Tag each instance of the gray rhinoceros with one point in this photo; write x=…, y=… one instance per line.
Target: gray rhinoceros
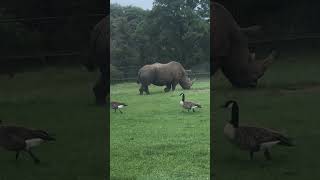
x=168, y=75
x=231, y=53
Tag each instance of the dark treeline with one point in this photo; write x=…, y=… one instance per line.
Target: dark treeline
x=173, y=30
x=277, y=17
x=30, y=35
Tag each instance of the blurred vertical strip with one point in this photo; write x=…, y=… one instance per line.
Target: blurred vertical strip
x=212, y=26
x=108, y=94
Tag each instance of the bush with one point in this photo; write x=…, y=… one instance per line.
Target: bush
x=115, y=73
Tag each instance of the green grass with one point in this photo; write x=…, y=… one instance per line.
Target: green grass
x=287, y=99
x=60, y=101
x=155, y=139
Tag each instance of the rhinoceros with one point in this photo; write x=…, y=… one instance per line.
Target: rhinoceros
x=168, y=75
x=231, y=53
x=98, y=57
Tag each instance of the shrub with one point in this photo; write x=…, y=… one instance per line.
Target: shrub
x=115, y=73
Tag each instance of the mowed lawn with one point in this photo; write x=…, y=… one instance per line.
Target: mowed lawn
x=287, y=99
x=155, y=139
x=60, y=101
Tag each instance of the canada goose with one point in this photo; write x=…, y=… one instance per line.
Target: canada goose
x=252, y=139
x=117, y=105
x=188, y=104
x=13, y=138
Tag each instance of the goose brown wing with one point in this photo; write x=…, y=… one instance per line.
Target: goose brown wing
x=11, y=141
x=114, y=104
x=262, y=135
x=14, y=142
x=245, y=139
x=23, y=133
x=198, y=105
x=16, y=131
x=189, y=104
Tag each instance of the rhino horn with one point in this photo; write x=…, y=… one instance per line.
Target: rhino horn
x=270, y=59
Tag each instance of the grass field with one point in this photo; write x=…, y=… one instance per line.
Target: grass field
x=155, y=139
x=59, y=101
x=287, y=99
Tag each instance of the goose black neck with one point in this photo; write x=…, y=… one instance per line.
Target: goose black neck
x=182, y=97
x=235, y=115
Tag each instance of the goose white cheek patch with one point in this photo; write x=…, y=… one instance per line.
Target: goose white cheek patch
x=120, y=106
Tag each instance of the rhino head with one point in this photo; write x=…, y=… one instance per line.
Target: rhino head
x=255, y=70
x=186, y=82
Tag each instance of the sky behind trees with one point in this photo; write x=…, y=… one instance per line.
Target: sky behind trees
x=145, y=4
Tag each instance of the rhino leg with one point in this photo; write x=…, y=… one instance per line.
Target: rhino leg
x=146, y=89
x=174, y=86
x=141, y=90
x=167, y=89
x=100, y=88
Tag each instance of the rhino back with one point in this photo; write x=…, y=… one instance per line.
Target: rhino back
x=232, y=44
x=99, y=41
x=161, y=74
x=172, y=71
x=227, y=32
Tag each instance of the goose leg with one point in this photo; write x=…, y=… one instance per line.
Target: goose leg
x=193, y=110
x=115, y=110
x=120, y=111
x=267, y=154
x=17, y=155
x=35, y=159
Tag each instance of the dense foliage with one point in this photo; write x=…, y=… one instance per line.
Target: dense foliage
x=25, y=28
x=173, y=30
x=278, y=17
